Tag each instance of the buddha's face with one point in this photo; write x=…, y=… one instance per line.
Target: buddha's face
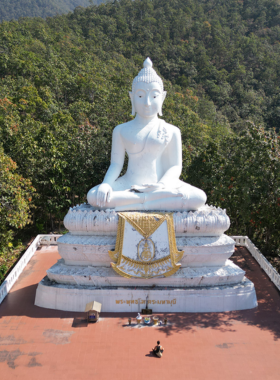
x=147, y=99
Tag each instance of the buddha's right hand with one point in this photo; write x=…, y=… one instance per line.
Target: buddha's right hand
x=148, y=187
x=103, y=194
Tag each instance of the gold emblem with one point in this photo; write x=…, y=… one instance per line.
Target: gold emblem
x=146, y=265
x=146, y=250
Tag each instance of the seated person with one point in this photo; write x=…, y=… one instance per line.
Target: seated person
x=158, y=350
x=154, y=152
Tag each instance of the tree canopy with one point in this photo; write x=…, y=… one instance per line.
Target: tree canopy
x=64, y=87
x=14, y=9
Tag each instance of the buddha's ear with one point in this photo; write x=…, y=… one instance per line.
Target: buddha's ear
x=163, y=98
x=132, y=103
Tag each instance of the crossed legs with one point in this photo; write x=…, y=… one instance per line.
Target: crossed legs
x=162, y=200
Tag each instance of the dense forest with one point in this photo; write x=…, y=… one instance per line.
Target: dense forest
x=64, y=87
x=14, y=9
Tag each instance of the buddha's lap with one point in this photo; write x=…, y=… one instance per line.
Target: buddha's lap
x=188, y=192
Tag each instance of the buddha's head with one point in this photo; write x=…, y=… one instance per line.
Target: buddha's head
x=147, y=95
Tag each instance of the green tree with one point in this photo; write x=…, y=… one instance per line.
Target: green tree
x=14, y=9
x=242, y=174
x=15, y=200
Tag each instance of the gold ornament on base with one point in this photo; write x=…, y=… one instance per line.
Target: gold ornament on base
x=147, y=264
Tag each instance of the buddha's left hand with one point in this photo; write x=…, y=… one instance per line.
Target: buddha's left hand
x=148, y=187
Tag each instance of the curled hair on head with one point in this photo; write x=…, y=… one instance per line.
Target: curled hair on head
x=147, y=75
x=158, y=342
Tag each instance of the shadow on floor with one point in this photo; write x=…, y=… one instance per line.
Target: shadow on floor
x=152, y=355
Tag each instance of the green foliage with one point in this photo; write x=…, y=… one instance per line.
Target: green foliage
x=65, y=101
x=14, y=9
x=15, y=198
x=242, y=174
x=64, y=87
x=226, y=50
x=9, y=256
x=3, y=270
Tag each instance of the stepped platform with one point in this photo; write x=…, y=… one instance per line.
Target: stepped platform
x=41, y=343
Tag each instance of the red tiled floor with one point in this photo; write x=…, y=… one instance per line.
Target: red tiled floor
x=38, y=343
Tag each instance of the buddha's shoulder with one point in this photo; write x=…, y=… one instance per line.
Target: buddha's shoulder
x=120, y=127
x=172, y=128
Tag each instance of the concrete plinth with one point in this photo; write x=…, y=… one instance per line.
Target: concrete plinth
x=93, y=250
x=184, y=277
x=118, y=299
x=206, y=281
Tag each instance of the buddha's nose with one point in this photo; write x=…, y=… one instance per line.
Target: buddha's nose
x=148, y=101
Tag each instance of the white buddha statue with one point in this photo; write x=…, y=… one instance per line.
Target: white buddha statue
x=154, y=150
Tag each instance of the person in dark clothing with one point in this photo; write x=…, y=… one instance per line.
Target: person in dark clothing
x=158, y=350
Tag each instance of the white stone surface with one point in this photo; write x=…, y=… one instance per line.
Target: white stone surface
x=184, y=277
x=207, y=299
x=93, y=250
x=207, y=221
x=86, y=250
x=205, y=251
x=151, y=182
x=132, y=238
x=154, y=150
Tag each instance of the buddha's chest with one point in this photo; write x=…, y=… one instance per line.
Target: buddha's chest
x=134, y=139
x=145, y=139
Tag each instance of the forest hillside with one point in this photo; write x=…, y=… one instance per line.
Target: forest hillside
x=64, y=87
x=14, y=9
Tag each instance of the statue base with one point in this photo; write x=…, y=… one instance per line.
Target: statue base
x=199, y=251
x=184, y=277
x=206, y=281
x=219, y=298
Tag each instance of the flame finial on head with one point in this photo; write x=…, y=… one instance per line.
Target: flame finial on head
x=147, y=75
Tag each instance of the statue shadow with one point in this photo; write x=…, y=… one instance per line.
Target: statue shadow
x=265, y=317
x=21, y=303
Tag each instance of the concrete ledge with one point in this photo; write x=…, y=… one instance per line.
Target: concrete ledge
x=206, y=221
x=52, y=239
x=184, y=277
x=93, y=250
x=115, y=299
x=21, y=264
x=272, y=273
